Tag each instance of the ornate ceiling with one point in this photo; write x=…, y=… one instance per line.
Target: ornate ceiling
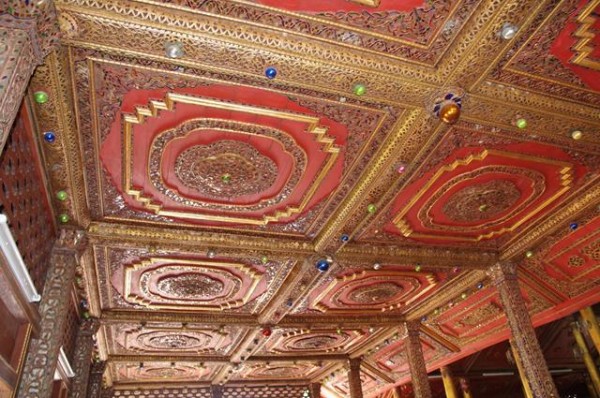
x=288, y=131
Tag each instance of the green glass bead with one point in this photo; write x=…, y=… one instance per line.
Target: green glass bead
x=521, y=123
x=359, y=89
x=61, y=195
x=41, y=97
x=64, y=218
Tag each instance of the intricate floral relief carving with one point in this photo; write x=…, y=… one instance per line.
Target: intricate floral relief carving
x=167, y=341
x=418, y=25
x=482, y=202
x=190, y=286
x=225, y=169
x=593, y=250
x=376, y=293
x=480, y=315
x=314, y=343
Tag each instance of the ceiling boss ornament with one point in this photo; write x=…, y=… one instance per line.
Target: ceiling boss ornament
x=447, y=107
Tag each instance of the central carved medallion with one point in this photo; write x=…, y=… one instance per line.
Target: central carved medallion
x=190, y=286
x=173, y=341
x=482, y=202
x=202, y=168
x=376, y=293
x=315, y=342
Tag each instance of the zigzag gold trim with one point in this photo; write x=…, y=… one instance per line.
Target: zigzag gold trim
x=584, y=32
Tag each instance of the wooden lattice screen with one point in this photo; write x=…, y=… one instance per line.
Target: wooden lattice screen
x=22, y=199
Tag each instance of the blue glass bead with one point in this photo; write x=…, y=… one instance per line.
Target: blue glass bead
x=271, y=73
x=49, y=136
x=436, y=108
x=424, y=319
x=573, y=226
x=322, y=265
x=345, y=238
x=449, y=96
x=480, y=285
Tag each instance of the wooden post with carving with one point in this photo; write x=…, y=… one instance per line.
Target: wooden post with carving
x=315, y=390
x=42, y=356
x=416, y=361
x=94, y=389
x=84, y=345
x=533, y=364
x=354, y=378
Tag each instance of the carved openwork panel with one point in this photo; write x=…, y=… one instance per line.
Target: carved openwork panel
x=22, y=185
x=272, y=391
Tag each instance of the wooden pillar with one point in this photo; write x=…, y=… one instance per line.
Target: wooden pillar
x=27, y=34
x=533, y=364
x=82, y=359
x=315, y=390
x=95, y=380
x=449, y=386
x=416, y=361
x=354, y=378
x=524, y=383
x=590, y=322
x=465, y=387
x=216, y=391
x=42, y=355
x=587, y=358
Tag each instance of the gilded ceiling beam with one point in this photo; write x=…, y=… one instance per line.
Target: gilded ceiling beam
x=192, y=240
x=226, y=359
x=291, y=321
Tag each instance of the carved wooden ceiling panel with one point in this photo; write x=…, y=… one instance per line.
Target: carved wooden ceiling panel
x=141, y=280
x=290, y=134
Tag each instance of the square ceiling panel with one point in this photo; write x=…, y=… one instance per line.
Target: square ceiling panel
x=176, y=149
x=137, y=279
x=481, y=188
x=363, y=289
x=316, y=341
x=171, y=339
